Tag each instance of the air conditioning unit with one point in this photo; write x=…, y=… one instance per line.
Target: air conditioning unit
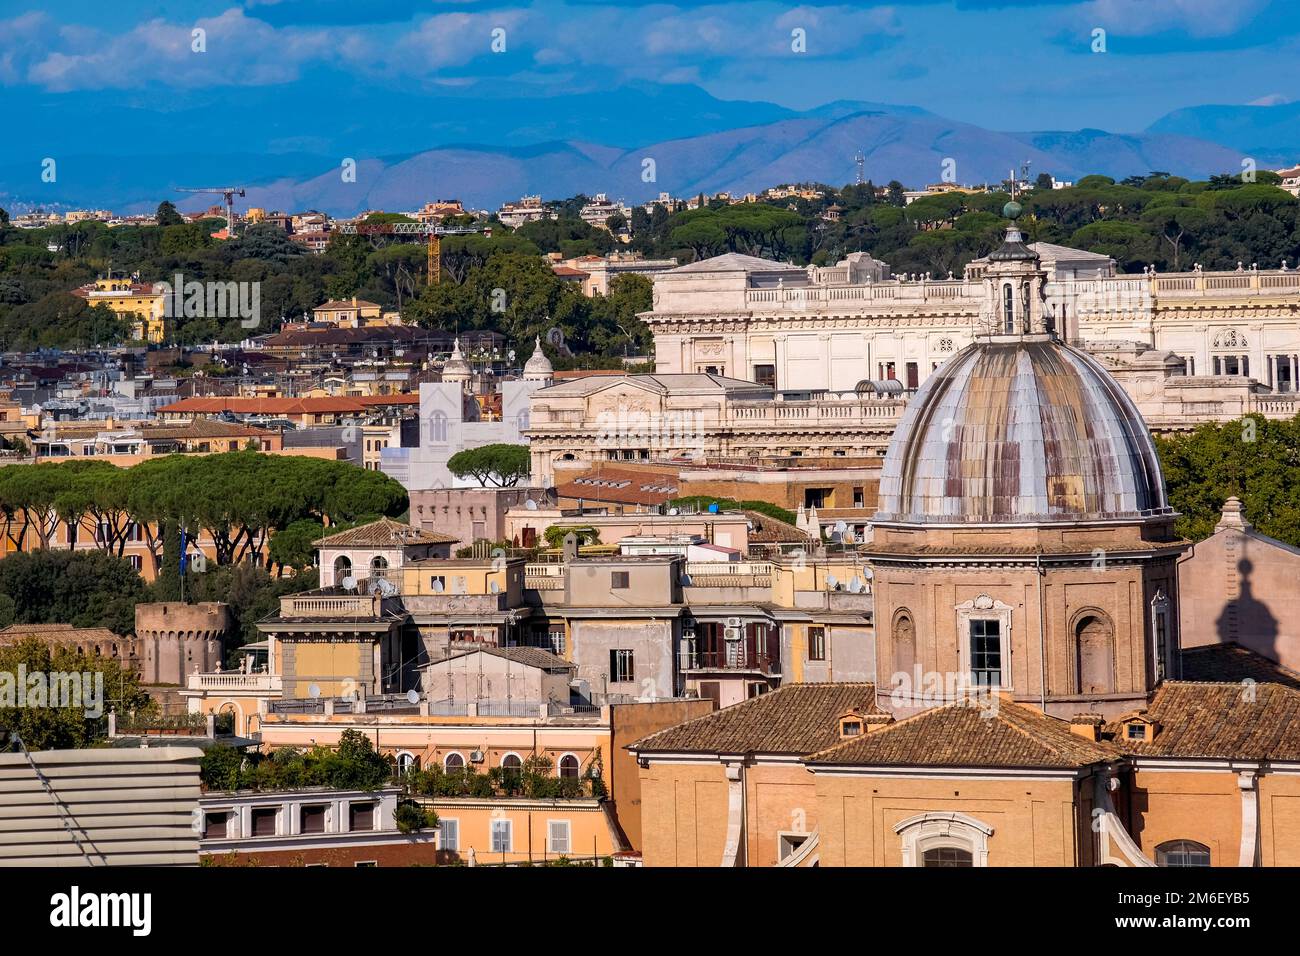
x=476, y=756
x=732, y=634
x=734, y=622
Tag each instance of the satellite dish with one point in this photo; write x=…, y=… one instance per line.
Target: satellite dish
x=413, y=696
x=832, y=582
x=686, y=581
x=438, y=586
x=313, y=691
x=856, y=586
x=350, y=582
x=530, y=504
x=494, y=587
x=840, y=527
x=673, y=511
x=868, y=573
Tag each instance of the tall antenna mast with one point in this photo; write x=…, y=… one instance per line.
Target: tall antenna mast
x=860, y=161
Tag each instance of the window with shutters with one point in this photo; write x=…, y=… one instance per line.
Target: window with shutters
x=312, y=819
x=214, y=825
x=448, y=834
x=361, y=816
x=501, y=836
x=557, y=836
x=264, y=821
x=816, y=643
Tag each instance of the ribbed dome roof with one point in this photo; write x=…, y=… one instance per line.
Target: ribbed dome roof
x=1025, y=430
x=456, y=363
x=539, y=365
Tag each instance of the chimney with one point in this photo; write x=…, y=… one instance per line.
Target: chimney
x=1087, y=726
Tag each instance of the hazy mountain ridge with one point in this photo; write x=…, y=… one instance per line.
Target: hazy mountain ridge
x=718, y=145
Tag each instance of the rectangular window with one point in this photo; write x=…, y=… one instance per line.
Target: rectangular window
x=556, y=639
x=360, y=863
x=816, y=497
x=501, y=834
x=361, y=816
x=136, y=562
x=816, y=643
x=621, y=669
x=557, y=836
x=765, y=375
x=313, y=819
x=448, y=834
x=618, y=580
x=859, y=498
x=787, y=843
x=986, y=652
x=913, y=375
x=263, y=821
x=214, y=825
x=437, y=583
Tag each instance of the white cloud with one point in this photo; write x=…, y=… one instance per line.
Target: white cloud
x=1196, y=18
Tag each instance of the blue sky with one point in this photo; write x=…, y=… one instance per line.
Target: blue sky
x=1011, y=65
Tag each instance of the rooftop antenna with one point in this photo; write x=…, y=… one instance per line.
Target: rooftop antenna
x=860, y=161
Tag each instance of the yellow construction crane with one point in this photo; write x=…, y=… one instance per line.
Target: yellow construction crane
x=433, y=232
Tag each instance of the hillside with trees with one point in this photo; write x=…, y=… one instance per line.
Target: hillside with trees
x=502, y=283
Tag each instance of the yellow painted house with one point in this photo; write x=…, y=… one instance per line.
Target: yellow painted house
x=145, y=307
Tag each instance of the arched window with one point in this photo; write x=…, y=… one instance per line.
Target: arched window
x=904, y=644
x=1094, y=641
x=342, y=568
x=569, y=766
x=406, y=762
x=944, y=838
x=947, y=856
x=1008, y=310
x=512, y=769
x=379, y=566
x=1182, y=853
x=453, y=762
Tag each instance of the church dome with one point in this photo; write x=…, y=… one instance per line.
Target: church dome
x=456, y=368
x=539, y=366
x=1021, y=430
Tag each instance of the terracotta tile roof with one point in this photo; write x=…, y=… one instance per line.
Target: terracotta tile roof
x=338, y=305
x=1242, y=721
x=321, y=405
x=56, y=633
x=965, y=734
x=382, y=534
x=1233, y=663
x=528, y=656
x=767, y=530
x=797, y=719
x=623, y=487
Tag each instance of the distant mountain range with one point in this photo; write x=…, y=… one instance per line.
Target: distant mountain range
x=576, y=144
